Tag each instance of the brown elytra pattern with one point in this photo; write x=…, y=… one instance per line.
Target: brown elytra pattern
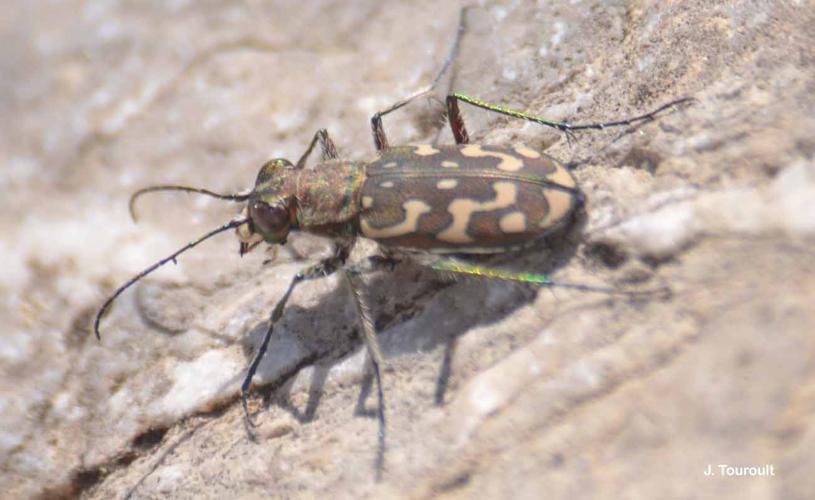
x=463, y=198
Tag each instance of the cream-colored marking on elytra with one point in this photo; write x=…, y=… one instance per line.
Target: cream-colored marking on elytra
x=367, y=202
x=413, y=209
x=562, y=176
x=560, y=202
x=425, y=150
x=508, y=163
x=449, y=164
x=462, y=209
x=390, y=164
x=525, y=151
x=513, y=222
x=386, y=184
x=447, y=184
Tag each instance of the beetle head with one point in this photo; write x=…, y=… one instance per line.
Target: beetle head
x=271, y=211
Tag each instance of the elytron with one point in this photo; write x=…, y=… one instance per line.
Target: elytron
x=441, y=201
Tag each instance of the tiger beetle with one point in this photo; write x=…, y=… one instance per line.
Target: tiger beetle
x=443, y=201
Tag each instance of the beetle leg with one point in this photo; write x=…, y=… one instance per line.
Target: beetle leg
x=319, y=270
x=460, y=133
x=374, y=353
x=327, y=147
x=456, y=267
x=456, y=120
x=380, y=139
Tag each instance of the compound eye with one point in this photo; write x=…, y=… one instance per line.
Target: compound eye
x=272, y=221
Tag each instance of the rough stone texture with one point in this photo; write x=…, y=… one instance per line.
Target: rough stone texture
x=493, y=390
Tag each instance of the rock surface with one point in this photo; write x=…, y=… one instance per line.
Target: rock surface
x=492, y=389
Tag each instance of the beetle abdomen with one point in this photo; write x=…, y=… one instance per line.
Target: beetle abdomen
x=464, y=198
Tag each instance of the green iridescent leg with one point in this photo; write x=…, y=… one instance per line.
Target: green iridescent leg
x=456, y=267
x=460, y=132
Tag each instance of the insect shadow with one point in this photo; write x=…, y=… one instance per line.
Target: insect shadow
x=411, y=319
